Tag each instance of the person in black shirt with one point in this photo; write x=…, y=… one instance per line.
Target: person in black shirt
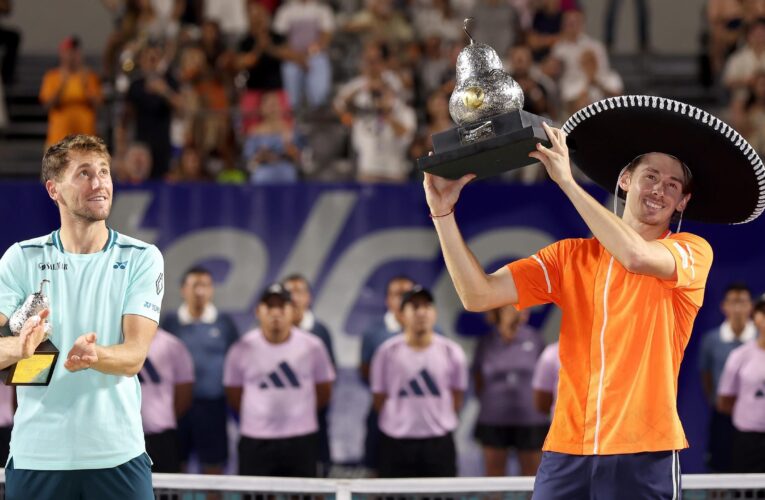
x=150, y=102
x=545, y=28
x=259, y=60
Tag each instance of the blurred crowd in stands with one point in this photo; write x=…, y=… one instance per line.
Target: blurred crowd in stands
x=735, y=50
x=263, y=91
x=267, y=91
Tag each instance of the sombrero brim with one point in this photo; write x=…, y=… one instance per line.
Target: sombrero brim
x=728, y=175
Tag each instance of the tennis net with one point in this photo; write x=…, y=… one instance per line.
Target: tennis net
x=184, y=486
x=202, y=487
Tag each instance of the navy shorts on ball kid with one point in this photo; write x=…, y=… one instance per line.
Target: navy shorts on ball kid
x=162, y=447
x=417, y=457
x=519, y=437
x=282, y=457
x=630, y=476
x=203, y=430
x=129, y=481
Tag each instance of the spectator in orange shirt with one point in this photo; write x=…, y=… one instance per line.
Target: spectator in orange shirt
x=629, y=295
x=71, y=93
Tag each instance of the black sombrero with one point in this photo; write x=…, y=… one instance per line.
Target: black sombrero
x=728, y=175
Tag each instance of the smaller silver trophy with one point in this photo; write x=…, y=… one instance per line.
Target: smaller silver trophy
x=33, y=304
x=493, y=133
x=37, y=369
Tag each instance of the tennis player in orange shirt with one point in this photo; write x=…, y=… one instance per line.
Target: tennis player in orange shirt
x=629, y=295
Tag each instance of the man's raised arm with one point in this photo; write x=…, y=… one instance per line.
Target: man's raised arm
x=623, y=242
x=477, y=290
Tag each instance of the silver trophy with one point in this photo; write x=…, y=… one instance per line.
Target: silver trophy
x=483, y=87
x=32, y=306
x=493, y=133
x=38, y=368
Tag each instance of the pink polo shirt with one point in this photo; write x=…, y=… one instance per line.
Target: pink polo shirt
x=167, y=365
x=418, y=385
x=546, y=373
x=744, y=378
x=278, y=382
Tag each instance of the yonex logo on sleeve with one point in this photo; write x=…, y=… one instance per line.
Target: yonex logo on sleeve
x=420, y=386
x=120, y=265
x=153, y=307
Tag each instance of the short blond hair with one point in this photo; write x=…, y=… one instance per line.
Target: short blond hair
x=56, y=157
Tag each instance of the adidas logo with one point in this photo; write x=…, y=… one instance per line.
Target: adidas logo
x=120, y=265
x=281, y=378
x=151, y=371
x=420, y=386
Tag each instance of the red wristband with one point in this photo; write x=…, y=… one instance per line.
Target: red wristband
x=442, y=215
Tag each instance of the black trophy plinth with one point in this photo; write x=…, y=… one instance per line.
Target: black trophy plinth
x=487, y=147
x=35, y=370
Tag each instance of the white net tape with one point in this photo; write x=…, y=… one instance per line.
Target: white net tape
x=193, y=486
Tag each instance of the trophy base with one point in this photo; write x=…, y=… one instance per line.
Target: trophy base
x=488, y=147
x=36, y=369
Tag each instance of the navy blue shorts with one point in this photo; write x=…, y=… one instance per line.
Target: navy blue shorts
x=203, y=430
x=129, y=481
x=417, y=457
x=372, y=441
x=282, y=457
x=519, y=437
x=633, y=476
x=162, y=448
x=719, y=452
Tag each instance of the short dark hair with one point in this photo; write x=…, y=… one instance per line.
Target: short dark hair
x=56, y=157
x=759, y=305
x=195, y=270
x=398, y=277
x=297, y=277
x=737, y=286
x=687, y=175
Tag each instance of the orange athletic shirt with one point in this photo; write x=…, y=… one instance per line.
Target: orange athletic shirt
x=73, y=114
x=621, y=342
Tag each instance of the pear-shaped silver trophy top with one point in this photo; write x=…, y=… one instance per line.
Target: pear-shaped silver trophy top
x=483, y=88
x=33, y=304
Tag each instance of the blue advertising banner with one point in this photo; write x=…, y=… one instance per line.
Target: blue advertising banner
x=348, y=240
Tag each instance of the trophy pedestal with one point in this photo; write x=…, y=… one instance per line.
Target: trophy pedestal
x=35, y=370
x=487, y=147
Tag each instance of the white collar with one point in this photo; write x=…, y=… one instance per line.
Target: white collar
x=391, y=323
x=308, y=321
x=727, y=335
x=209, y=315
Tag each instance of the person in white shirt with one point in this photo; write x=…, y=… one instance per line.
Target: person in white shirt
x=307, y=25
x=382, y=124
x=585, y=66
x=741, y=67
